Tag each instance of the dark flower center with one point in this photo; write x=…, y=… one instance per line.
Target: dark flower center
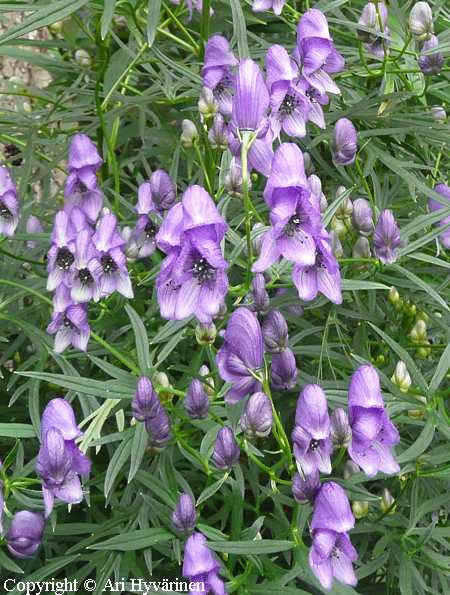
x=202, y=270
x=314, y=444
x=108, y=264
x=150, y=230
x=289, y=104
x=85, y=277
x=11, y=150
x=67, y=323
x=64, y=258
x=336, y=552
x=313, y=95
x=5, y=213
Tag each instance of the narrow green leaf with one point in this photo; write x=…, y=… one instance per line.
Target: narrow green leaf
x=360, y=285
x=11, y=430
x=441, y=370
x=240, y=28
x=420, y=445
x=88, y=386
x=134, y=540
x=107, y=15
x=154, y=8
x=258, y=546
x=422, y=285
x=141, y=338
x=140, y=441
x=8, y=564
x=118, y=460
x=212, y=489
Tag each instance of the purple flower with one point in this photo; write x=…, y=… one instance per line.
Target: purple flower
x=311, y=434
x=201, y=565
x=60, y=461
x=287, y=174
x=251, y=99
x=258, y=297
x=316, y=53
x=374, y=17
x=257, y=418
x=218, y=133
x=85, y=272
x=362, y=216
x=306, y=489
x=60, y=259
x=192, y=279
x=283, y=372
x=226, y=450
x=341, y=432
x=156, y=195
x=434, y=205
x=332, y=509
x=70, y=327
x=331, y=556
x=25, y=534
x=196, y=401
x=184, y=516
x=431, y=62
x=262, y=5
x=147, y=408
x=275, y=332
x=386, y=238
x=111, y=264
x=373, y=434
x=159, y=428
x=323, y=276
x=33, y=225
x=217, y=72
x=241, y=355
x=344, y=143
x=260, y=154
x=318, y=197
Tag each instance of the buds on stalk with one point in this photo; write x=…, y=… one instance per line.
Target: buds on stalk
x=283, y=373
x=360, y=508
x=362, y=216
x=205, y=333
x=196, y=401
x=25, y=534
x=361, y=248
x=387, y=500
x=344, y=143
x=275, y=332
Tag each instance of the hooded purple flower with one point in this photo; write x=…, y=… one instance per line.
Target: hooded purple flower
x=260, y=154
x=159, y=428
x=81, y=184
x=344, y=143
x=9, y=205
x=110, y=265
x=226, y=450
x=434, y=205
x=156, y=195
x=258, y=297
x=85, y=273
x=251, y=99
x=332, y=509
x=257, y=417
x=192, y=279
x=374, y=17
x=59, y=460
x=70, y=327
x=306, y=489
x=386, y=237
x=217, y=72
x=201, y=565
x=311, y=434
x=331, y=556
x=373, y=434
x=323, y=276
x=283, y=372
x=431, y=62
x=25, y=534
x=241, y=355
x=295, y=219
x=196, y=401
x=60, y=259
x=316, y=53
x=184, y=516
x=147, y=408
x=362, y=216
x=33, y=225
x=275, y=332
x=263, y=5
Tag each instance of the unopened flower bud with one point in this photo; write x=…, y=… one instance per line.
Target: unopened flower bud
x=164, y=387
x=345, y=209
x=439, y=114
x=336, y=244
x=393, y=295
x=418, y=413
x=25, y=534
x=418, y=333
x=205, y=333
x=283, y=373
x=339, y=227
x=305, y=490
x=308, y=164
x=233, y=179
x=344, y=142
x=207, y=105
x=318, y=196
x=82, y=58
x=184, y=516
x=257, y=418
x=431, y=62
x=226, y=450
x=360, y=508
x=421, y=21
x=386, y=237
x=257, y=237
x=362, y=216
x=350, y=468
x=208, y=385
x=401, y=376
x=196, y=401
x=387, y=501
x=145, y=401
x=341, y=433
x=275, y=332
x=131, y=246
x=258, y=295
x=189, y=134
x=361, y=248
x=218, y=134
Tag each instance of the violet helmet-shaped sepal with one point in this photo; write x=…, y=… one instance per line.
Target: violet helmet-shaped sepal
x=250, y=100
x=226, y=450
x=197, y=401
x=283, y=371
x=258, y=296
x=332, y=510
x=434, y=205
x=25, y=534
x=275, y=332
x=331, y=557
x=257, y=417
x=305, y=489
x=201, y=565
x=344, y=143
x=217, y=72
x=184, y=515
x=263, y=5
x=386, y=238
x=431, y=62
x=9, y=204
x=362, y=216
x=145, y=401
x=159, y=428
x=70, y=327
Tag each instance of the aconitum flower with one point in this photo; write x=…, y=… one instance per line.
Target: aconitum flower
x=60, y=461
x=258, y=296
x=184, y=516
x=275, y=332
x=386, y=238
x=147, y=224
x=341, y=433
x=217, y=72
x=70, y=327
x=332, y=509
x=158, y=194
x=60, y=259
x=147, y=408
x=218, y=133
x=241, y=355
x=331, y=556
x=431, y=63
x=374, y=17
x=201, y=565
x=33, y=225
x=311, y=434
x=257, y=417
x=196, y=401
x=233, y=179
x=85, y=273
x=226, y=450
x=283, y=372
x=373, y=434
x=305, y=489
x=362, y=216
x=251, y=99
x=434, y=205
x=323, y=276
x=159, y=428
x=317, y=196
x=111, y=262
x=25, y=534
x=316, y=53
x=421, y=21
x=263, y=5
x=344, y=143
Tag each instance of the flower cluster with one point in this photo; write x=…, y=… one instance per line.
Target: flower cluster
x=9, y=204
x=86, y=260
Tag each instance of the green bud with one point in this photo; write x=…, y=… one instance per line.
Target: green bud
x=82, y=58
x=207, y=105
x=387, y=501
x=189, y=134
x=418, y=333
x=209, y=380
x=360, y=508
x=393, y=295
x=163, y=387
x=401, y=376
x=205, y=333
x=418, y=413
